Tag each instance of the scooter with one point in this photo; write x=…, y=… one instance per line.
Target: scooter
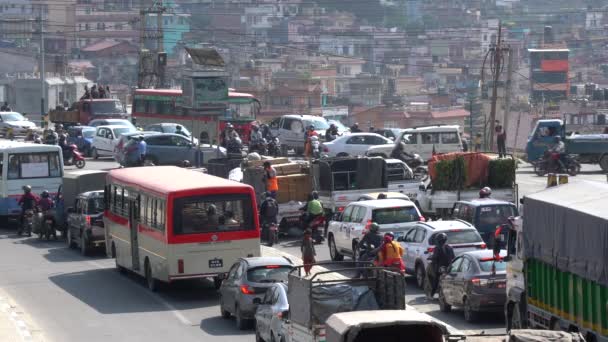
x=28, y=222
x=274, y=147
x=317, y=225
x=74, y=158
x=430, y=277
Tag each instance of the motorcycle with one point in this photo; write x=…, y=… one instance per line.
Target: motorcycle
x=74, y=157
x=315, y=147
x=28, y=222
x=234, y=147
x=430, y=277
x=556, y=163
x=274, y=147
x=259, y=146
x=44, y=224
x=414, y=162
x=317, y=225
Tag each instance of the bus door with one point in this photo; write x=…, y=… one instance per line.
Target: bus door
x=133, y=223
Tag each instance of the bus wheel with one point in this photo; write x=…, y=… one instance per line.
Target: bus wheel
x=150, y=281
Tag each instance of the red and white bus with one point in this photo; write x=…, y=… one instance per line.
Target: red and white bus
x=167, y=223
x=163, y=105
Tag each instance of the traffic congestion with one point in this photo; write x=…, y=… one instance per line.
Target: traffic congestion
x=412, y=211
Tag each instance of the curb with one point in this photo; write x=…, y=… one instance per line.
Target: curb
x=18, y=319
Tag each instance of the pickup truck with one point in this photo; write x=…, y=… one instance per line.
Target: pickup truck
x=589, y=148
x=557, y=275
x=438, y=203
x=313, y=299
x=83, y=111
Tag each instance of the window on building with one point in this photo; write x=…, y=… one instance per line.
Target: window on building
x=86, y=27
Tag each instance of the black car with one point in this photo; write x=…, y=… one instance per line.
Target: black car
x=476, y=282
x=485, y=214
x=85, y=222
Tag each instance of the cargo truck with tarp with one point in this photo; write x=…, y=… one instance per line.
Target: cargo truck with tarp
x=557, y=273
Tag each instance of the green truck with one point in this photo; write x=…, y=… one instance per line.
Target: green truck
x=557, y=273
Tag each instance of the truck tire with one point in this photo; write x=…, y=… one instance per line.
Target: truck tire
x=604, y=163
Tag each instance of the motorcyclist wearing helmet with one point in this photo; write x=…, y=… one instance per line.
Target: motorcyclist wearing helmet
x=227, y=134
x=256, y=138
x=372, y=238
x=27, y=201
x=269, y=209
x=485, y=192
x=382, y=196
x=355, y=128
x=443, y=254
x=331, y=133
x=46, y=202
x=391, y=253
x=399, y=152
x=560, y=148
x=180, y=131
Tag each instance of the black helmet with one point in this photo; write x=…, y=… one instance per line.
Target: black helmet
x=441, y=239
x=311, y=127
x=374, y=228
x=45, y=194
x=332, y=125
x=178, y=128
x=268, y=194
x=186, y=163
x=382, y=196
x=27, y=188
x=315, y=195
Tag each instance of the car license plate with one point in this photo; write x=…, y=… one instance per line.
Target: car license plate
x=216, y=263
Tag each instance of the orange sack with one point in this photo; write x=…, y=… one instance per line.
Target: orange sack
x=476, y=163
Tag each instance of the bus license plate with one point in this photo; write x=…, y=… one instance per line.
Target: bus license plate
x=216, y=263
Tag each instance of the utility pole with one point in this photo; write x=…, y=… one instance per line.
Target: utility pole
x=471, y=135
x=495, y=77
x=42, y=71
x=508, y=87
x=158, y=58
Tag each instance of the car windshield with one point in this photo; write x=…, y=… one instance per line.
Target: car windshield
x=107, y=107
x=88, y=133
x=492, y=216
x=268, y=274
x=395, y=215
x=95, y=205
x=320, y=124
x=459, y=236
x=12, y=117
x=122, y=130
x=486, y=265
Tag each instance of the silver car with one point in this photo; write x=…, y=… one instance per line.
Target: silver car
x=248, y=279
x=273, y=309
x=16, y=121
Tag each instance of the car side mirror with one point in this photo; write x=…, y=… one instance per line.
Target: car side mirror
x=257, y=301
x=71, y=210
x=422, y=187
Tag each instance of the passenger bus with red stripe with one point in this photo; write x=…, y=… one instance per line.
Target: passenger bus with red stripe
x=163, y=105
x=168, y=223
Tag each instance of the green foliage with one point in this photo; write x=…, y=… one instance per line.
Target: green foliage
x=501, y=173
x=451, y=174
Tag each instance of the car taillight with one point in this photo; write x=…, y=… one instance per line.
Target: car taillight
x=247, y=290
x=482, y=246
x=180, y=266
x=273, y=266
x=479, y=282
x=88, y=219
x=340, y=209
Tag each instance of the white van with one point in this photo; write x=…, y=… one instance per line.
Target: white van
x=422, y=140
x=290, y=130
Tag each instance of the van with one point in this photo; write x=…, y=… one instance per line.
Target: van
x=290, y=130
x=423, y=141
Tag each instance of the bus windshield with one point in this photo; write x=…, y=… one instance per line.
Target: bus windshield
x=241, y=110
x=212, y=214
x=33, y=165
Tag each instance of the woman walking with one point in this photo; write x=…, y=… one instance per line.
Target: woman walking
x=308, y=251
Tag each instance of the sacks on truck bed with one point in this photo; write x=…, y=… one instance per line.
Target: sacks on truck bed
x=476, y=167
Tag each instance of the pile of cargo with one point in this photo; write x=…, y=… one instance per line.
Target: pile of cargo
x=293, y=178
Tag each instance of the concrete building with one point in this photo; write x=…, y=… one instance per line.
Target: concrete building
x=98, y=19
x=24, y=92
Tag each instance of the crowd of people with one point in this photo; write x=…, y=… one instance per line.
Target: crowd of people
x=97, y=91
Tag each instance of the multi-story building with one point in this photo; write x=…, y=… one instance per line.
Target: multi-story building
x=549, y=74
x=98, y=19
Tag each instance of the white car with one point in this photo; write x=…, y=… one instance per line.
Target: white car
x=354, y=144
x=106, y=138
x=419, y=243
x=348, y=227
x=423, y=141
x=290, y=130
x=19, y=123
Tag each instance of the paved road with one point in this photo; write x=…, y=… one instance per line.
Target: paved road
x=73, y=298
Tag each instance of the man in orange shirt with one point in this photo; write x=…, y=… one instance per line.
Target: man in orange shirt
x=270, y=177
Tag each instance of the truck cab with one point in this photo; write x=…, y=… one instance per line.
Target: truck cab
x=86, y=110
x=542, y=138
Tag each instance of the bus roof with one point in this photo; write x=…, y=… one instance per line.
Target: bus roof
x=168, y=179
x=178, y=92
x=16, y=146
